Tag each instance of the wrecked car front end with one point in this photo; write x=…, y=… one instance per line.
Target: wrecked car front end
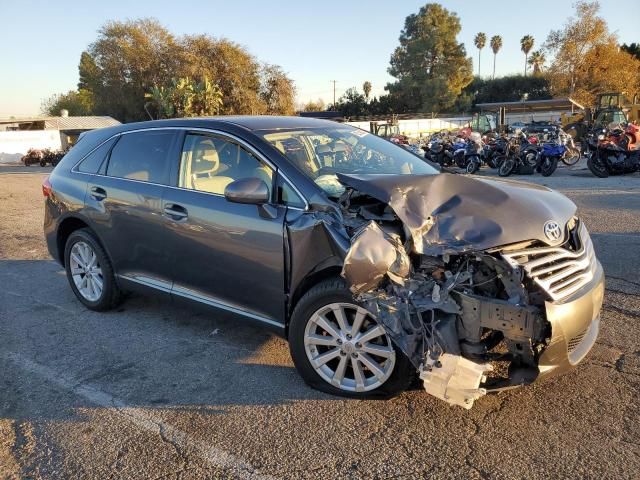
x=484, y=285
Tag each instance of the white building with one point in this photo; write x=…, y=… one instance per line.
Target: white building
x=18, y=135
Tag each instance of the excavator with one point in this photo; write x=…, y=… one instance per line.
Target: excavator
x=611, y=107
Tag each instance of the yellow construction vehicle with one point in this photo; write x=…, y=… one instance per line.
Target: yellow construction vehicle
x=611, y=107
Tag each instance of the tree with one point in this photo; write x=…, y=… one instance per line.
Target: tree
x=184, y=98
x=76, y=103
x=496, y=45
x=317, y=106
x=237, y=72
x=480, y=41
x=632, y=49
x=587, y=59
x=526, y=44
x=537, y=61
x=430, y=64
x=366, y=88
x=131, y=58
x=277, y=91
x=352, y=103
x=510, y=88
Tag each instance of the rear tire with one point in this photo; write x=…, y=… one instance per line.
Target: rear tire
x=303, y=333
x=572, y=157
x=89, y=272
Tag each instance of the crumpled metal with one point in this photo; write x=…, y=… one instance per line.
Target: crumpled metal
x=449, y=213
x=373, y=255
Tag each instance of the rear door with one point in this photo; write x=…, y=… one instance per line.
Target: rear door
x=225, y=254
x=124, y=201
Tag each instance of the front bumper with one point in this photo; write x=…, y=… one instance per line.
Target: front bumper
x=575, y=323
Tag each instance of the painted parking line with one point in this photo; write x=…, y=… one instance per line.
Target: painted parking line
x=143, y=420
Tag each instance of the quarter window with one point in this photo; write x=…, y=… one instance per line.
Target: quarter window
x=142, y=156
x=92, y=162
x=210, y=163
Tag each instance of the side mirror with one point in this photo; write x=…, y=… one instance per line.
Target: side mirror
x=253, y=191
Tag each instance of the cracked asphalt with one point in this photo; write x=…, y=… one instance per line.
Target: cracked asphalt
x=156, y=390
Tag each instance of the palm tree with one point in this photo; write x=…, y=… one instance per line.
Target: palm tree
x=496, y=45
x=526, y=44
x=480, y=40
x=537, y=61
x=366, y=86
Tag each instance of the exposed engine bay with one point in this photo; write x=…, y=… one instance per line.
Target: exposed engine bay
x=468, y=320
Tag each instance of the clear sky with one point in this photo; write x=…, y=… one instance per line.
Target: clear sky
x=314, y=41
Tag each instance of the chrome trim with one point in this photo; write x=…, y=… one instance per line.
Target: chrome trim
x=560, y=272
x=148, y=282
x=198, y=297
x=194, y=129
x=167, y=287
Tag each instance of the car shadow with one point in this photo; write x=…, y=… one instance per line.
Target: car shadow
x=149, y=352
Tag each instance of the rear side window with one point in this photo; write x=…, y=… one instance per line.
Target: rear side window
x=142, y=156
x=92, y=162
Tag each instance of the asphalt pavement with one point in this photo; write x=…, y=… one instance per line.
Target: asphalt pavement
x=155, y=390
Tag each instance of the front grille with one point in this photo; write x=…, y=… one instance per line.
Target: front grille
x=575, y=341
x=559, y=271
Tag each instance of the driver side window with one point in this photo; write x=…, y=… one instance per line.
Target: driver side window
x=210, y=163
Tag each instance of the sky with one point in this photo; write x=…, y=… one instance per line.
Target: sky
x=314, y=41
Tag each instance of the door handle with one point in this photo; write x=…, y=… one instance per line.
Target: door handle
x=98, y=193
x=176, y=212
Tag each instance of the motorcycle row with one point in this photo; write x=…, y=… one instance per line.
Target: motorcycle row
x=614, y=150
x=518, y=153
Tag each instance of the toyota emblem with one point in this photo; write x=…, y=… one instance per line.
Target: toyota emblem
x=552, y=231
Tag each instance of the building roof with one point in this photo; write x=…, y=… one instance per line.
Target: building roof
x=65, y=123
x=532, y=105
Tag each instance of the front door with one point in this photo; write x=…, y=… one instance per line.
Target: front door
x=225, y=254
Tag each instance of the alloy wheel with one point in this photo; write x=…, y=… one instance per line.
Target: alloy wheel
x=86, y=271
x=348, y=348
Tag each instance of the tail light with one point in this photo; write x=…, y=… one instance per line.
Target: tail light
x=46, y=188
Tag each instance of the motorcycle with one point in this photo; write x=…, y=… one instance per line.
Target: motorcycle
x=495, y=151
x=614, y=152
x=440, y=150
x=548, y=158
x=473, y=153
x=571, y=154
x=524, y=160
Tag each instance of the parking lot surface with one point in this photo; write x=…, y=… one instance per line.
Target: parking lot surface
x=156, y=390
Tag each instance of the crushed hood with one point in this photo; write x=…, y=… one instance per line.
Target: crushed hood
x=448, y=213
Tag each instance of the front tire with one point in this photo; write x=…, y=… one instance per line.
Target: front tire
x=549, y=166
x=89, y=272
x=506, y=167
x=597, y=167
x=339, y=348
x=473, y=166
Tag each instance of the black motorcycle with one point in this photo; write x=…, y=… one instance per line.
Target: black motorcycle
x=610, y=157
x=441, y=151
x=523, y=162
x=495, y=152
x=473, y=156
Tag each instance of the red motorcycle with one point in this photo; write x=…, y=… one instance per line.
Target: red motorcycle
x=615, y=151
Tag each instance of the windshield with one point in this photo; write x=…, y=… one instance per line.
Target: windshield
x=320, y=153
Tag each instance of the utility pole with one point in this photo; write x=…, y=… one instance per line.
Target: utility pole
x=334, y=94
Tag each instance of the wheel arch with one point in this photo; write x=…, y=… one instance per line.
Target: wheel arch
x=66, y=227
x=308, y=282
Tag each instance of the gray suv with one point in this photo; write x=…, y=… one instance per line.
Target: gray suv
x=376, y=266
